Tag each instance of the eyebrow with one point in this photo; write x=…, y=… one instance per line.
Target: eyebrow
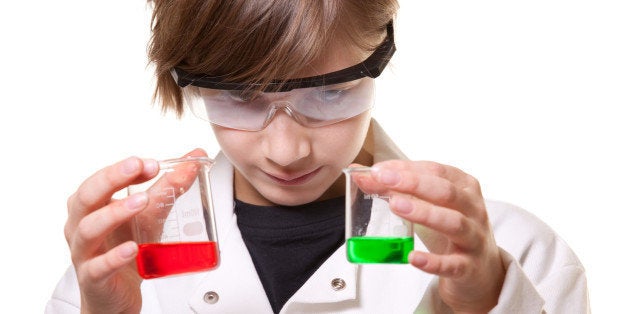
x=372, y=67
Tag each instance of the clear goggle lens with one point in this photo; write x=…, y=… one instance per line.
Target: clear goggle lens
x=311, y=107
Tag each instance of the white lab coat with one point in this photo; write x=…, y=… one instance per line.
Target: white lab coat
x=543, y=274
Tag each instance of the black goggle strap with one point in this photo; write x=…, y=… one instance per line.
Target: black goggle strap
x=373, y=66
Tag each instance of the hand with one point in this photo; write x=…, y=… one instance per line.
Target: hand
x=98, y=232
x=448, y=205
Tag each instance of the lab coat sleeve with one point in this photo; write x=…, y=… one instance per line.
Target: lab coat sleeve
x=543, y=275
x=563, y=291
x=66, y=296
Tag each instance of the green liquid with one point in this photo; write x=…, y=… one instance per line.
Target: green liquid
x=389, y=250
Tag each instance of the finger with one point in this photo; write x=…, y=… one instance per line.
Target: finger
x=197, y=152
x=362, y=178
x=96, y=191
x=432, y=182
x=176, y=178
x=96, y=271
x=96, y=226
x=448, y=172
x=450, y=266
x=179, y=176
x=453, y=224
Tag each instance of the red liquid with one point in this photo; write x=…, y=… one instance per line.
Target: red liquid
x=157, y=260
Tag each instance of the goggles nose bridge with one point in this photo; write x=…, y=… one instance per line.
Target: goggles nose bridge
x=286, y=106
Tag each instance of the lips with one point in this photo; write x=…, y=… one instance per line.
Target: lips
x=293, y=179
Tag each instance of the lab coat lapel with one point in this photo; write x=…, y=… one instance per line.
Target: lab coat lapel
x=334, y=281
x=235, y=282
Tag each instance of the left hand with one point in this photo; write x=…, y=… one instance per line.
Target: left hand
x=449, y=206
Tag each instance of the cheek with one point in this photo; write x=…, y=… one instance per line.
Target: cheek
x=344, y=140
x=233, y=143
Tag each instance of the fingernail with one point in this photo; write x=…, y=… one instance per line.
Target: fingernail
x=130, y=166
x=136, y=201
x=127, y=250
x=388, y=177
x=401, y=205
x=151, y=166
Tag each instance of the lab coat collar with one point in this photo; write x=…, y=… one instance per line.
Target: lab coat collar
x=379, y=144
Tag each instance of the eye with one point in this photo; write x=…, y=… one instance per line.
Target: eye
x=331, y=95
x=337, y=92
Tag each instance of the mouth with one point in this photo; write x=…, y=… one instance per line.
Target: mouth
x=291, y=180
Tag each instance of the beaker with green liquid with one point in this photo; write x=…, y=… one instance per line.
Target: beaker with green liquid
x=374, y=233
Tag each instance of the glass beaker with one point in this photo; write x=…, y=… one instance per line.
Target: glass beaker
x=374, y=233
x=176, y=232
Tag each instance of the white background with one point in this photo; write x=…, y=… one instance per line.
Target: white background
x=528, y=96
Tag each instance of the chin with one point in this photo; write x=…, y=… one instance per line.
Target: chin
x=292, y=198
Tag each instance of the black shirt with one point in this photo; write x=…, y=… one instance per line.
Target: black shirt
x=289, y=243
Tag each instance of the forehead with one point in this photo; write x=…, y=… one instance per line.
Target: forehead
x=336, y=56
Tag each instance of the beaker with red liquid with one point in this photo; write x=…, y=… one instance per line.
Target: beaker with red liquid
x=176, y=232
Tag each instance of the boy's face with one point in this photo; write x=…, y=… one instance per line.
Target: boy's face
x=287, y=163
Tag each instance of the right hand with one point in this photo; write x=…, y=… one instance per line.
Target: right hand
x=99, y=235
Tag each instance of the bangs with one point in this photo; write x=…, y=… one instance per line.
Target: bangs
x=257, y=41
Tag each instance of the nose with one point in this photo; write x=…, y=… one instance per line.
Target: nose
x=284, y=140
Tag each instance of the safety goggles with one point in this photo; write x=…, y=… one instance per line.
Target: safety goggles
x=311, y=107
x=312, y=101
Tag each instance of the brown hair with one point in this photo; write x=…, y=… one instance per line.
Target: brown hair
x=255, y=40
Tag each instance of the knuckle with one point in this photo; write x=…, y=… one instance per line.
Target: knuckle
x=67, y=232
x=394, y=163
x=70, y=201
x=76, y=260
x=435, y=168
x=82, y=276
x=84, y=197
x=413, y=183
x=482, y=240
x=472, y=186
x=97, y=266
x=87, y=275
x=450, y=193
x=111, y=175
x=457, y=270
x=438, y=190
x=473, y=182
x=482, y=216
x=76, y=257
x=426, y=215
x=459, y=225
x=84, y=229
